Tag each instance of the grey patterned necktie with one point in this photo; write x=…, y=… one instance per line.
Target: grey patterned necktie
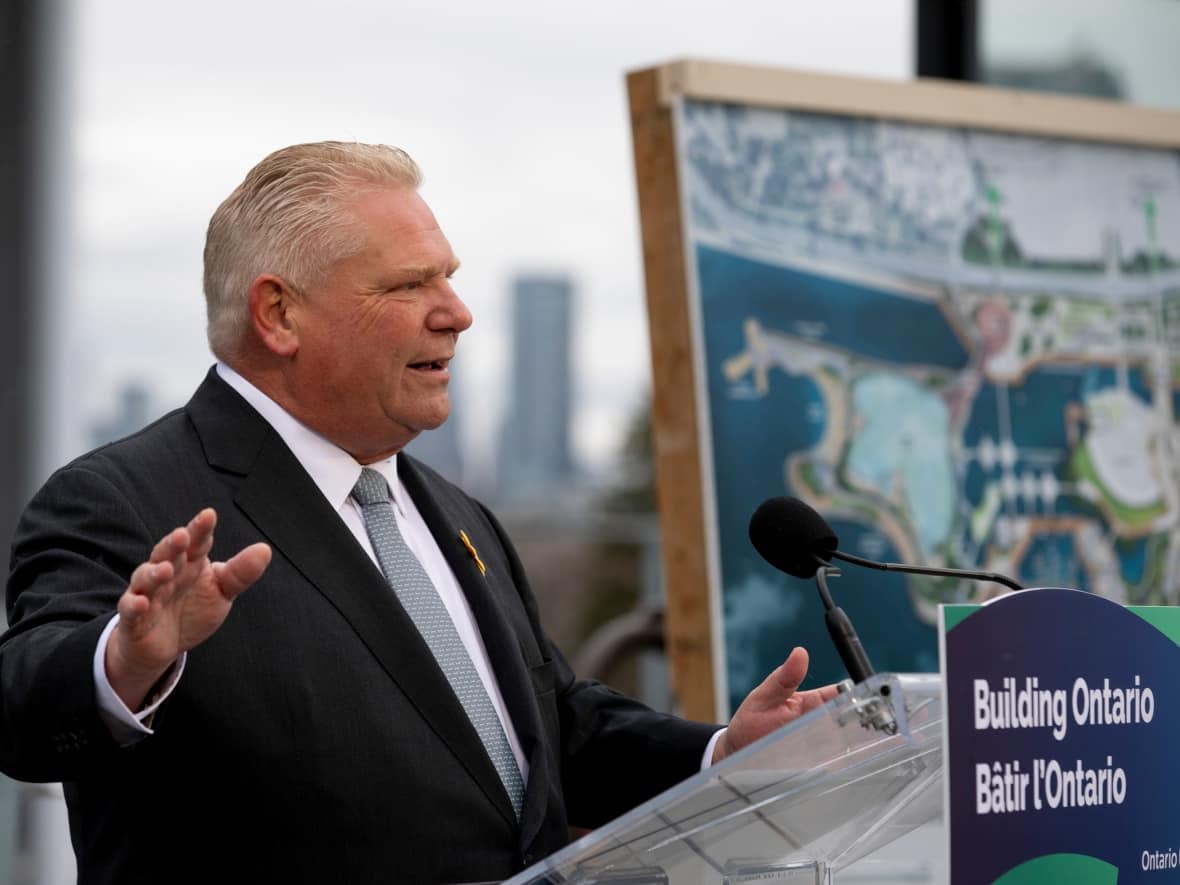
x=420, y=599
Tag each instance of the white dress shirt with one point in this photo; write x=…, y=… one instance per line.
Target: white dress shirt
x=334, y=473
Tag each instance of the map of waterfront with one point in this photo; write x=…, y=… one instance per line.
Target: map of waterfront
x=961, y=347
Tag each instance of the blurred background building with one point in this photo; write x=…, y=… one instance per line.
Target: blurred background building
x=133, y=410
x=535, y=458
x=120, y=139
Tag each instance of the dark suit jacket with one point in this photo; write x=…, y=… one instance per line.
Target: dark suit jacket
x=312, y=738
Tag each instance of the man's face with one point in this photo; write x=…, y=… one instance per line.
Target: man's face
x=375, y=339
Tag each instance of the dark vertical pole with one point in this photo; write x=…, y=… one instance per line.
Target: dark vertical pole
x=947, y=39
x=21, y=40
x=22, y=29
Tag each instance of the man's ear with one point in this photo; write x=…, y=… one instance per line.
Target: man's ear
x=272, y=300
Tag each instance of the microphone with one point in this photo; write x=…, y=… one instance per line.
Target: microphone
x=795, y=539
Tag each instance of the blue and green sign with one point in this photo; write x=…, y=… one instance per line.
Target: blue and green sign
x=1062, y=711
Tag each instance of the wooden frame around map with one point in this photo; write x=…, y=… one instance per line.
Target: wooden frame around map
x=690, y=618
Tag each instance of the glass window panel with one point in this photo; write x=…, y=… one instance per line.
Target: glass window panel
x=1124, y=49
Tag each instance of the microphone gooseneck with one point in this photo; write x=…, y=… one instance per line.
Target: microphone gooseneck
x=995, y=577
x=848, y=645
x=796, y=539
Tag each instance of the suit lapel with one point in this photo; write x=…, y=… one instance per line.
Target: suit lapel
x=280, y=498
x=481, y=589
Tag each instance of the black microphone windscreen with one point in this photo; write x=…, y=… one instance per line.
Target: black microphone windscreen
x=790, y=535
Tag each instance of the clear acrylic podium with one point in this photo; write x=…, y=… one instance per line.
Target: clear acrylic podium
x=852, y=792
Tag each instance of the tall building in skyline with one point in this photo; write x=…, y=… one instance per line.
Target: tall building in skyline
x=535, y=456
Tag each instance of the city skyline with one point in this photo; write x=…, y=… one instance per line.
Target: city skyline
x=524, y=174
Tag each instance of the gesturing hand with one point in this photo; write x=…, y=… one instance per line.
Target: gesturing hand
x=772, y=705
x=175, y=601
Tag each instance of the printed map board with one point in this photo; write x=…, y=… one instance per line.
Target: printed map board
x=960, y=344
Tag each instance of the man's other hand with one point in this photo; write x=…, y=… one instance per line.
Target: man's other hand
x=772, y=705
x=176, y=600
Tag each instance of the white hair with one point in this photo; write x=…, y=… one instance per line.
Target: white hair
x=290, y=217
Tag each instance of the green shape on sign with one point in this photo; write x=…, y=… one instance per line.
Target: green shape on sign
x=1061, y=869
x=1165, y=618
x=953, y=615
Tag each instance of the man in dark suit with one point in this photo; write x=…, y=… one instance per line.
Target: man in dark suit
x=311, y=730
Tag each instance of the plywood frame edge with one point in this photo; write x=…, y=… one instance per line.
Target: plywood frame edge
x=936, y=102
x=688, y=629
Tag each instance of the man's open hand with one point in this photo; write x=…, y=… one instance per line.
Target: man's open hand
x=772, y=705
x=175, y=601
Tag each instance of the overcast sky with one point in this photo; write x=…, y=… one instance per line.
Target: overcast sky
x=515, y=110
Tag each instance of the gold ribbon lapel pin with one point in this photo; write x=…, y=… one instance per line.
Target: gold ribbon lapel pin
x=472, y=552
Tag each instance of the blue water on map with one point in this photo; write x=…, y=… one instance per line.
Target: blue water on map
x=1036, y=409
x=1037, y=417
x=974, y=482
x=873, y=322
x=1051, y=561
x=1133, y=557
x=1036, y=405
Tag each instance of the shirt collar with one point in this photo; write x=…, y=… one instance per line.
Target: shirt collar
x=332, y=469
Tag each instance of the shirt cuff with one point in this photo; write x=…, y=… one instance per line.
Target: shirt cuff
x=127, y=727
x=707, y=759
